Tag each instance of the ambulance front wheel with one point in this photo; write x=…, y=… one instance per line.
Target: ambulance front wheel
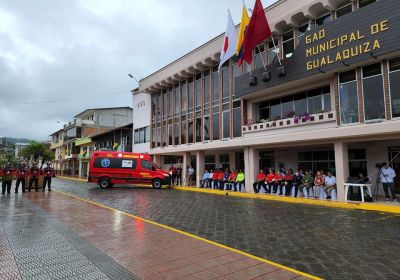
x=104, y=183
x=157, y=184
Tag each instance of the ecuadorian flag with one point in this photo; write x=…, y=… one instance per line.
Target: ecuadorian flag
x=243, y=25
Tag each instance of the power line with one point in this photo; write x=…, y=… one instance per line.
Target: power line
x=67, y=99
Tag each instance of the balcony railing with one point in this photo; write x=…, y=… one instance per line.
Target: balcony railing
x=290, y=122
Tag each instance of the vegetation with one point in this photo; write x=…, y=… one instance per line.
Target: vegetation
x=37, y=151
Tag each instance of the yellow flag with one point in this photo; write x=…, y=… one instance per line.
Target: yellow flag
x=243, y=24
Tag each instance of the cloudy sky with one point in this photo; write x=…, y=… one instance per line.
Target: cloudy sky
x=59, y=57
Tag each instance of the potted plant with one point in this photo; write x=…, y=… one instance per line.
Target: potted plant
x=250, y=122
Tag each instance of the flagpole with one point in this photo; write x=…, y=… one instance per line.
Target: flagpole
x=277, y=54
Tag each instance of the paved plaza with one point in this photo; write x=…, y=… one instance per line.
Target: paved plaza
x=56, y=236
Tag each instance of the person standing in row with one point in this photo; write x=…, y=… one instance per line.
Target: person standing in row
x=34, y=173
x=48, y=172
x=387, y=176
x=7, y=177
x=22, y=174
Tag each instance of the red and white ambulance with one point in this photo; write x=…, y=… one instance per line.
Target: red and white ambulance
x=108, y=168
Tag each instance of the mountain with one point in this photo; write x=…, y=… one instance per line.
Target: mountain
x=13, y=140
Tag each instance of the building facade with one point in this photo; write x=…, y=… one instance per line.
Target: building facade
x=328, y=97
x=141, y=121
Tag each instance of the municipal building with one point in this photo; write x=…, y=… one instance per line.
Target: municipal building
x=328, y=98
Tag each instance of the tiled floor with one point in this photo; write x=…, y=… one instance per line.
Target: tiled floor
x=53, y=236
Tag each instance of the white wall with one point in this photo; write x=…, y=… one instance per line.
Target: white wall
x=141, y=118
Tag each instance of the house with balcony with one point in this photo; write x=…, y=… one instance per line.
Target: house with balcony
x=322, y=93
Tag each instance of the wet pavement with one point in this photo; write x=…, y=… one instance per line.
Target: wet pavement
x=327, y=242
x=49, y=235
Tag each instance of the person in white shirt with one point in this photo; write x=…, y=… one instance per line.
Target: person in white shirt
x=190, y=175
x=387, y=179
x=330, y=184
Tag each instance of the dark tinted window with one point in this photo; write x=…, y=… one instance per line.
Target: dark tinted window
x=147, y=165
x=101, y=162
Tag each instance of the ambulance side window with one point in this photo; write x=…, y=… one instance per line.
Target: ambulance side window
x=147, y=165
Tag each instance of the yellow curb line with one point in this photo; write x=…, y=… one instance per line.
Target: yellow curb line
x=299, y=200
x=334, y=204
x=194, y=236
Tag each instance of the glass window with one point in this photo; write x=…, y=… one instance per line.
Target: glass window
x=206, y=132
x=273, y=50
x=164, y=135
x=141, y=135
x=363, y=3
x=259, y=56
x=136, y=137
x=348, y=98
x=183, y=131
x=190, y=95
x=207, y=88
x=215, y=122
x=114, y=163
x=198, y=91
x=215, y=91
x=158, y=136
x=344, y=10
x=176, y=133
x=374, y=99
x=183, y=97
x=300, y=103
x=323, y=19
x=225, y=84
x=147, y=134
x=314, y=101
x=170, y=134
x=287, y=104
x=288, y=44
x=276, y=109
x=237, y=71
x=303, y=29
x=226, y=124
x=146, y=165
x=394, y=77
x=357, y=162
x=264, y=110
x=190, y=131
x=237, y=119
x=198, y=130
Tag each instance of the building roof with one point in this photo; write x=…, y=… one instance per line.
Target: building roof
x=98, y=109
x=130, y=125
x=62, y=129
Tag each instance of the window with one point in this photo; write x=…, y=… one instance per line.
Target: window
x=311, y=102
x=176, y=99
x=394, y=78
x=348, y=98
x=183, y=98
x=190, y=95
x=237, y=119
x=198, y=130
x=237, y=71
x=101, y=162
x=206, y=131
x=142, y=135
x=323, y=19
x=273, y=50
x=317, y=160
x=176, y=132
x=344, y=10
x=357, y=162
x=224, y=161
x=215, y=123
x=209, y=162
x=158, y=136
x=147, y=165
x=215, y=88
x=183, y=130
x=170, y=134
x=206, y=91
x=374, y=99
x=363, y=3
x=226, y=124
x=304, y=28
x=172, y=159
x=225, y=83
x=259, y=56
x=190, y=130
x=288, y=44
x=198, y=92
x=169, y=96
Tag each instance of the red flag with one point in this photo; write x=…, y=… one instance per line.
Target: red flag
x=257, y=31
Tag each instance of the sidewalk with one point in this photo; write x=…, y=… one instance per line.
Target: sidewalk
x=57, y=231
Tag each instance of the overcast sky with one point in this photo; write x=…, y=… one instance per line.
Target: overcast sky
x=59, y=57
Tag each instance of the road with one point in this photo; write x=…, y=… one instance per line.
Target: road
x=327, y=242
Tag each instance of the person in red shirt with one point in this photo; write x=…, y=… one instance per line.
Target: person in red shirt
x=277, y=182
x=48, y=172
x=286, y=185
x=172, y=174
x=34, y=173
x=22, y=174
x=269, y=180
x=260, y=183
x=232, y=179
x=220, y=179
x=214, y=179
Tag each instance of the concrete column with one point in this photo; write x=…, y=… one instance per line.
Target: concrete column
x=199, y=167
x=232, y=160
x=80, y=169
x=342, y=167
x=157, y=159
x=185, y=164
x=251, y=167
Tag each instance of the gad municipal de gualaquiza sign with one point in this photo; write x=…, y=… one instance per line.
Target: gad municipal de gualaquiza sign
x=318, y=56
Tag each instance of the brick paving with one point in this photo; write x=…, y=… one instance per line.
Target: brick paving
x=53, y=236
x=327, y=242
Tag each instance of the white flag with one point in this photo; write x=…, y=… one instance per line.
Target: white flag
x=229, y=46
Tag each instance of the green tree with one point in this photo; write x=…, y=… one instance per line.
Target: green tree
x=37, y=150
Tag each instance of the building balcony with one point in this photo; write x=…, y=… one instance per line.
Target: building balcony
x=300, y=122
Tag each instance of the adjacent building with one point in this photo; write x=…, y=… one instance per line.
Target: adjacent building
x=141, y=121
x=328, y=97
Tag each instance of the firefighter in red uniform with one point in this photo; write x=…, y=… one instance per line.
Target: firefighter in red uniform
x=34, y=173
x=7, y=176
x=22, y=174
x=48, y=172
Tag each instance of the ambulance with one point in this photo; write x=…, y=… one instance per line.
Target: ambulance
x=108, y=168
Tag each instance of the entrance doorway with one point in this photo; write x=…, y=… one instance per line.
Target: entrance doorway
x=267, y=160
x=394, y=158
